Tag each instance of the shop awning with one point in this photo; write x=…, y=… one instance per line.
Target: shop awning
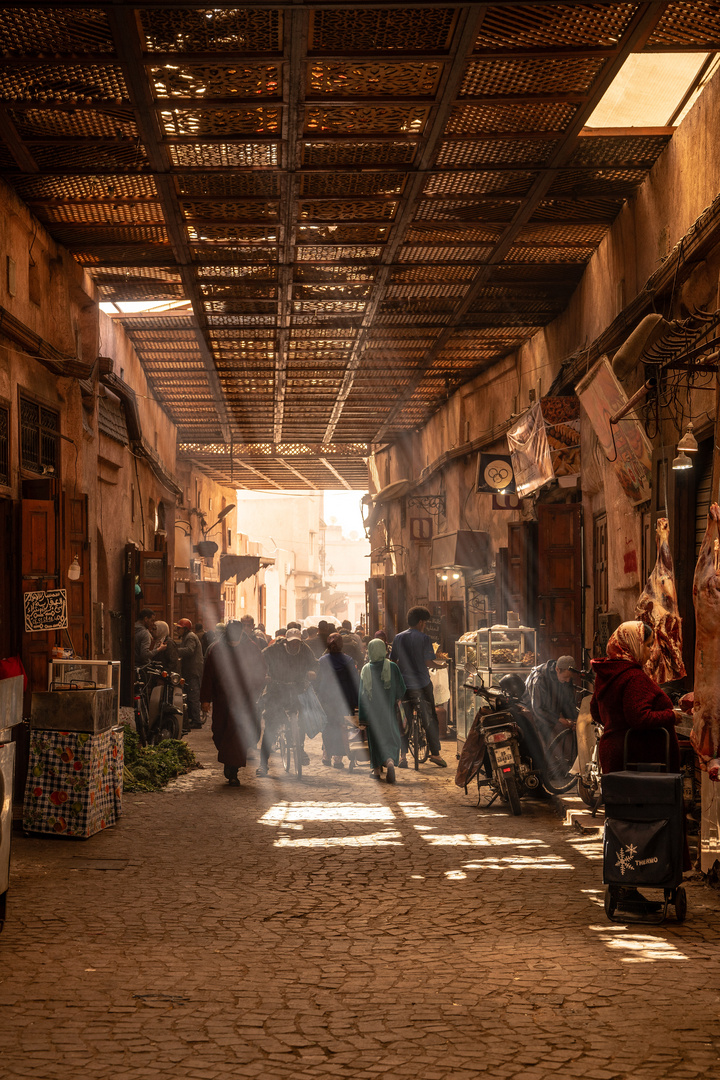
x=241, y=566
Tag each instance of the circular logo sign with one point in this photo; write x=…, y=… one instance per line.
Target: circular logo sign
x=497, y=474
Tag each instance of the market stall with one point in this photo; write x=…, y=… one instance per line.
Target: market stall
x=75, y=773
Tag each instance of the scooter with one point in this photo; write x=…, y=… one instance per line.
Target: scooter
x=496, y=749
x=160, y=704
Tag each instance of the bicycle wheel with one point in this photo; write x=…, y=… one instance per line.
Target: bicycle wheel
x=296, y=748
x=284, y=746
x=559, y=760
x=512, y=795
x=414, y=738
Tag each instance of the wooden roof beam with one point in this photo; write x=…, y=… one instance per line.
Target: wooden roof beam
x=467, y=27
x=296, y=35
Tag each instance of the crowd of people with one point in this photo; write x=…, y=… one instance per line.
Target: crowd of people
x=250, y=682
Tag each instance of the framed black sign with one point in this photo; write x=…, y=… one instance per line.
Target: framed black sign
x=45, y=610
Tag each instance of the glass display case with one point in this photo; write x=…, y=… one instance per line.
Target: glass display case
x=495, y=651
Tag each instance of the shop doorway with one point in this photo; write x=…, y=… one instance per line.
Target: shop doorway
x=560, y=581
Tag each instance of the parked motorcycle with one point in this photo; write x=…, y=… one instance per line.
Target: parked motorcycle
x=160, y=704
x=497, y=751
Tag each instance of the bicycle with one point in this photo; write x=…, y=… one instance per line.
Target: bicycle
x=562, y=753
x=288, y=743
x=417, y=736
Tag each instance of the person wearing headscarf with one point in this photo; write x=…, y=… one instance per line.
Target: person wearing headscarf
x=161, y=636
x=336, y=685
x=626, y=698
x=381, y=688
x=384, y=638
x=233, y=679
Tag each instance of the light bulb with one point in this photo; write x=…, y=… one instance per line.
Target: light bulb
x=455, y=577
x=444, y=577
x=74, y=570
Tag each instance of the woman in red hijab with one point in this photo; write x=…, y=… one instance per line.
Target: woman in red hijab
x=627, y=698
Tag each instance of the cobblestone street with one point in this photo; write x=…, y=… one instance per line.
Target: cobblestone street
x=339, y=927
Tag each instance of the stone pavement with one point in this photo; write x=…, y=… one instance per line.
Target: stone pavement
x=341, y=928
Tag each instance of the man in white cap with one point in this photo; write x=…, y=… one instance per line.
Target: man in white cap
x=291, y=665
x=550, y=694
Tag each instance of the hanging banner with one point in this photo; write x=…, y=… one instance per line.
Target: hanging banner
x=495, y=474
x=530, y=452
x=626, y=446
x=45, y=610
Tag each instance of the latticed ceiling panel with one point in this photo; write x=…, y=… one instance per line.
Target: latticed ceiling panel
x=542, y=26
x=211, y=30
x=363, y=205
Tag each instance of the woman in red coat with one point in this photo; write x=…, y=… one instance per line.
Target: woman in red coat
x=626, y=698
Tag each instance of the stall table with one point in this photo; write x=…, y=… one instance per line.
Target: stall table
x=75, y=782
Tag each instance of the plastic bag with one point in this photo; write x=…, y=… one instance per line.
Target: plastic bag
x=311, y=713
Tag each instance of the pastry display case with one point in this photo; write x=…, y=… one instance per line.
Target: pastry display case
x=493, y=651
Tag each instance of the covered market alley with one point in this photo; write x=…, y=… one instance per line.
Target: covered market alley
x=460, y=261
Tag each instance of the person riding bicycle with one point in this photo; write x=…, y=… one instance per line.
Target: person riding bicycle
x=413, y=653
x=290, y=665
x=550, y=695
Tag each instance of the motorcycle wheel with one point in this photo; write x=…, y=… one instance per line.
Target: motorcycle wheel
x=559, y=760
x=167, y=728
x=512, y=795
x=587, y=792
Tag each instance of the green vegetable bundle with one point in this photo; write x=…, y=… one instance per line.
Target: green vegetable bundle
x=150, y=768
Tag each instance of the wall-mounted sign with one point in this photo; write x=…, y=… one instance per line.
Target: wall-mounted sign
x=421, y=530
x=505, y=502
x=45, y=611
x=495, y=474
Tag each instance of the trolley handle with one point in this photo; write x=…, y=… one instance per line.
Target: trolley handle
x=648, y=766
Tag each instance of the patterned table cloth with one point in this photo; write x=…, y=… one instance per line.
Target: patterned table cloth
x=75, y=782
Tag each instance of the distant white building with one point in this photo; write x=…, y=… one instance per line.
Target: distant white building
x=316, y=570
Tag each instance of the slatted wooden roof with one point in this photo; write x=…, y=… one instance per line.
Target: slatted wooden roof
x=364, y=203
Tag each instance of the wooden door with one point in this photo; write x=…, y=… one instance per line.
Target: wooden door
x=39, y=571
x=560, y=581
x=78, y=592
x=151, y=570
x=522, y=571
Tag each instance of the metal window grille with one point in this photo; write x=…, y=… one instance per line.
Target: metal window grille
x=4, y=446
x=39, y=428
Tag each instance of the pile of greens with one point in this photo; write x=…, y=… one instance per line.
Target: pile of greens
x=150, y=768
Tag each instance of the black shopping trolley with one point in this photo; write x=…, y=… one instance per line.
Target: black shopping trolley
x=644, y=837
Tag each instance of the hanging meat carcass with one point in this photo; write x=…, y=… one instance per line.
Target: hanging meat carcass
x=658, y=607
x=706, y=595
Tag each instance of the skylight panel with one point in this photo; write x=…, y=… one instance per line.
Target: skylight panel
x=648, y=90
